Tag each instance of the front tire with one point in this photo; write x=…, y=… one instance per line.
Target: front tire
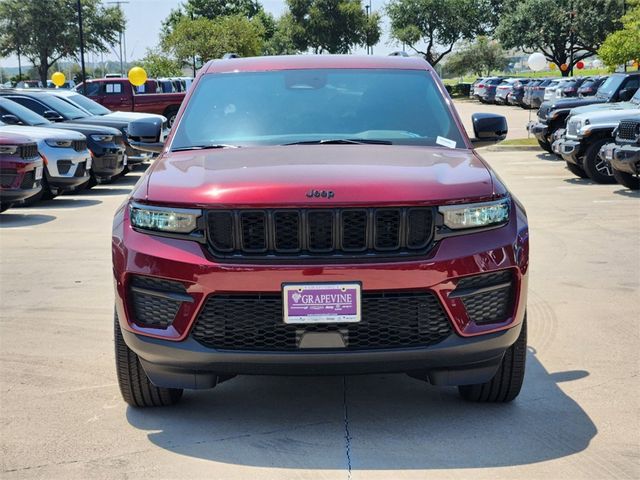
x=507, y=382
x=596, y=167
x=545, y=145
x=628, y=180
x=135, y=387
x=576, y=170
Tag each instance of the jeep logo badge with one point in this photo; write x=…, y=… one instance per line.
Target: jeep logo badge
x=320, y=194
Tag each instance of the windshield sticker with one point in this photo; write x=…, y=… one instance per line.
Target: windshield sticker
x=445, y=142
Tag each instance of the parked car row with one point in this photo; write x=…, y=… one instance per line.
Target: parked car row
x=597, y=136
x=531, y=92
x=57, y=141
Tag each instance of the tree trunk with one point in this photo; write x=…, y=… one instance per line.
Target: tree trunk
x=43, y=69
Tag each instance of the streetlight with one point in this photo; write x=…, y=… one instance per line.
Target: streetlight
x=84, y=73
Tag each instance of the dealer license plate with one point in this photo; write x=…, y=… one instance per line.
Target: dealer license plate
x=321, y=303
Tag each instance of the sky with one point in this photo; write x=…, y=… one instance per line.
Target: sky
x=145, y=16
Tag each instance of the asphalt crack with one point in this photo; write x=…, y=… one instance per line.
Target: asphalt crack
x=347, y=433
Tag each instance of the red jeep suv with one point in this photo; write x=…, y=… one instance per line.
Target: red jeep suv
x=313, y=215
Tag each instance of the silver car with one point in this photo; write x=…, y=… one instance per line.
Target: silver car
x=65, y=154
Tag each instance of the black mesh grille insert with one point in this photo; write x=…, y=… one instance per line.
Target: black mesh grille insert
x=254, y=238
x=320, y=237
x=629, y=130
x=152, y=310
x=254, y=322
x=64, y=166
x=29, y=150
x=79, y=145
x=492, y=305
x=8, y=176
x=387, y=226
x=28, y=180
x=351, y=232
x=81, y=169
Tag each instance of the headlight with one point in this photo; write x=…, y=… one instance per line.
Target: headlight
x=474, y=215
x=8, y=149
x=52, y=142
x=164, y=219
x=102, y=138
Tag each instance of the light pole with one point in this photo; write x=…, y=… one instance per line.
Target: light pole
x=84, y=73
x=122, y=38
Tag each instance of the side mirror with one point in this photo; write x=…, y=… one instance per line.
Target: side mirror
x=146, y=134
x=488, y=128
x=10, y=119
x=625, y=94
x=53, y=116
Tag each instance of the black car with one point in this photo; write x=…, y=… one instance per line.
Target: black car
x=105, y=143
x=49, y=105
x=552, y=115
x=571, y=88
x=517, y=92
x=590, y=86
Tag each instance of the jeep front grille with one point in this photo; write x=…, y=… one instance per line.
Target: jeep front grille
x=79, y=145
x=629, y=131
x=348, y=232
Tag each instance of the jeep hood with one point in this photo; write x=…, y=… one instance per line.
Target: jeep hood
x=283, y=175
x=43, y=133
x=606, y=117
x=572, y=103
x=604, y=106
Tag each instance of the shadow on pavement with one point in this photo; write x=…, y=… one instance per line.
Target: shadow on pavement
x=549, y=157
x=108, y=191
x=628, y=193
x=394, y=422
x=13, y=220
x=60, y=202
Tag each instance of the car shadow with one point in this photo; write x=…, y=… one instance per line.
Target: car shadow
x=60, y=202
x=11, y=219
x=579, y=181
x=625, y=192
x=390, y=422
x=549, y=157
x=108, y=191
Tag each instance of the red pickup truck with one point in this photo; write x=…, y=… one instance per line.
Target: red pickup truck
x=119, y=94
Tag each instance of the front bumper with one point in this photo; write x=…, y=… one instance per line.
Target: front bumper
x=539, y=130
x=63, y=184
x=173, y=358
x=108, y=163
x=570, y=150
x=626, y=158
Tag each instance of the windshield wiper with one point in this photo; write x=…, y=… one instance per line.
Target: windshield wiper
x=204, y=147
x=341, y=141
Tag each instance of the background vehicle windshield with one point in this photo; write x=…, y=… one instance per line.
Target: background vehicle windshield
x=610, y=85
x=89, y=105
x=269, y=108
x=63, y=108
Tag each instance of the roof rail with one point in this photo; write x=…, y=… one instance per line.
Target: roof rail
x=399, y=53
x=227, y=56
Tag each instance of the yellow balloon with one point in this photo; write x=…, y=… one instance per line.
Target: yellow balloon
x=58, y=79
x=137, y=76
x=552, y=66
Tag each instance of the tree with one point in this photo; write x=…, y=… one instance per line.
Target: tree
x=206, y=39
x=157, y=64
x=479, y=57
x=438, y=24
x=623, y=45
x=332, y=26
x=45, y=31
x=280, y=42
x=565, y=31
x=211, y=9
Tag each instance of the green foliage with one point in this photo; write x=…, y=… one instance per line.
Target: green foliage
x=623, y=45
x=436, y=24
x=47, y=30
x=207, y=39
x=331, y=26
x=481, y=56
x=559, y=28
x=158, y=64
x=211, y=9
x=280, y=42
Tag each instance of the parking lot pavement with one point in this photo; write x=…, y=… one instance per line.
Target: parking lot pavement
x=577, y=416
x=517, y=117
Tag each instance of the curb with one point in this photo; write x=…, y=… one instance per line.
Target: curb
x=512, y=148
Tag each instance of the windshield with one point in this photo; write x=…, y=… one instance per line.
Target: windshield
x=89, y=105
x=610, y=85
x=25, y=115
x=67, y=110
x=270, y=108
